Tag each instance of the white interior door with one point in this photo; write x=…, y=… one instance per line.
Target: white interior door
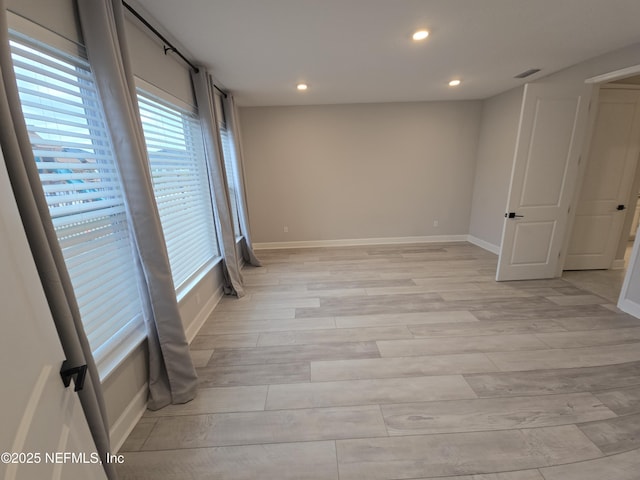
x=39, y=417
x=552, y=124
x=609, y=176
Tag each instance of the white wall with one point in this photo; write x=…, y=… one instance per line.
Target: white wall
x=494, y=162
x=359, y=171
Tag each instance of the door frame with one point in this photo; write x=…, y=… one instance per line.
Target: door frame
x=597, y=82
x=586, y=155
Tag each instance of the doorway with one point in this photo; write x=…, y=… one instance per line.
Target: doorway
x=606, y=218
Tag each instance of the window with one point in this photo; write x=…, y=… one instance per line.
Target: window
x=81, y=182
x=229, y=157
x=232, y=176
x=181, y=185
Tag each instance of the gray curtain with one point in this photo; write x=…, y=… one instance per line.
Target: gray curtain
x=206, y=109
x=172, y=376
x=233, y=125
x=45, y=248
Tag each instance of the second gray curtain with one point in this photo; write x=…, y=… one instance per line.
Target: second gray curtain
x=206, y=108
x=172, y=376
x=233, y=125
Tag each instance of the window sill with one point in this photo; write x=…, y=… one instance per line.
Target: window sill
x=186, y=287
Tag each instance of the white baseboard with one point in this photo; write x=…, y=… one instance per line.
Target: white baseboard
x=630, y=307
x=490, y=247
x=128, y=419
x=194, y=327
x=353, y=242
x=618, y=264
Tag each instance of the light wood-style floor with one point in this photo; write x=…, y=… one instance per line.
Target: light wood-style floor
x=403, y=362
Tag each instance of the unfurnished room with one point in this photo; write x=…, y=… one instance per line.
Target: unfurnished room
x=320, y=239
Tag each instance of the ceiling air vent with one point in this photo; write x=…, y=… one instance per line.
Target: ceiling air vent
x=527, y=73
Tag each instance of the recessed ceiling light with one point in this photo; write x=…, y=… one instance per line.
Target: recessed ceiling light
x=421, y=35
x=302, y=86
x=454, y=83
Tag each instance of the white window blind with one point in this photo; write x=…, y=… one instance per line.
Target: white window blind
x=232, y=176
x=181, y=185
x=81, y=182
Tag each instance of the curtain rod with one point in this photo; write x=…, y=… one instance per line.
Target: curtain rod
x=170, y=47
x=222, y=92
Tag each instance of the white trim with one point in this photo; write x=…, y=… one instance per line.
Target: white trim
x=183, y=290
x=620, y=86
x=618, y=264
x=490, y=247
x=352, y=242
x=194, y=327
x=630, y=307
x=615, y=75
x=129, y=418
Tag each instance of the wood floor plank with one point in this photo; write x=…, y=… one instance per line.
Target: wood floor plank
x=532, y=309
x=622, y=401
x=335, y=284
x=367, y=392
x=592, y=338
x=214, y=400
x=417, y=289
x=211, y=342
x=281, y=426
x=316, y=337
x=200, y=358
x=284, y=461
x=564, y=380
x=566, y=358
x=493, y=414
x=265, y=314
x=577, y=300
x=517, y=475
x=481, y=294
x=486, y=327
x=385, y=319
x=449, y=345
x=294, y=353
x=615, y=435
x=376, y=304
x=248, y=326
x=461, y=453
x=241, y=375
x=598, y=323
x=398, y=367
x=624, y=466
x=138, y=435
x=248, y=304
x=260, y=295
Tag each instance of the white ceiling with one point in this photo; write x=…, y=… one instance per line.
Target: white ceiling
x=351, y=51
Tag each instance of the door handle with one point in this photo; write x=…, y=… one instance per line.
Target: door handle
x=621, y=207
x=512, y=215
x=67, y=373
